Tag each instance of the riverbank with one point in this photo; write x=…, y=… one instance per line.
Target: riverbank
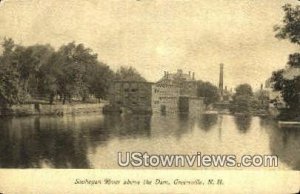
x=47, y=109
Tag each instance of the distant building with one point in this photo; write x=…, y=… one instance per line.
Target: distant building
x=227, y=94
x=131, y=95
x=176, y=92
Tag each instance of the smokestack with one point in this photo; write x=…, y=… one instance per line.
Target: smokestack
x=165, y=73
x=221, y=78
x=193, y=76
x=189, y=73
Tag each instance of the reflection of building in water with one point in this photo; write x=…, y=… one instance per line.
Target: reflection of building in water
x=176, y=92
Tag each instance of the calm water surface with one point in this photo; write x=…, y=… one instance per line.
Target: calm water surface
x=92, y=141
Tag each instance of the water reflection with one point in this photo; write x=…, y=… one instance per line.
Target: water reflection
x=32, y=143
x=207, y=121
x=171, y=126
x=135, y=126
x=243, y=122
x=91, y=141
x=285, y=143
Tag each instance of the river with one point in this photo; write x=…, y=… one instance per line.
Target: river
x=93, y=140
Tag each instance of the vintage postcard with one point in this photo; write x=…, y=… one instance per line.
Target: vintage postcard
x=149, y=96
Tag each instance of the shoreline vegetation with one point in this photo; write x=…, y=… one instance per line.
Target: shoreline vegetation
x=54, y=109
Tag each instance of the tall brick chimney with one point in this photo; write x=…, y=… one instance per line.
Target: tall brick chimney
x=221, y=80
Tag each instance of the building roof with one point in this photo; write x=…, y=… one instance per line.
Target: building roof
x=176, y=78
x=127, y=81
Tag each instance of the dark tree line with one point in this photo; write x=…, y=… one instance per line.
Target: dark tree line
x=41, y=72
x=244, y=100
x=208, y=91
x=283, y=80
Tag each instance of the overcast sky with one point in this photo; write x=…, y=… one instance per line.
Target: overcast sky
x=160, y=35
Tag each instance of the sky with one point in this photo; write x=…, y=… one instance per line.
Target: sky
x=160, y=35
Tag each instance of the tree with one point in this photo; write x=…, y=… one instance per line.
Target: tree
x=244, y=90
x=243, y=100
x=128, y=74
x=99, y=80
x=9, y=89
x=9, y=76
x=48, y=78
x=21, y=67
x=29, y=61
x=38, y=71
x=262, y=99
x=208, y=91
x=289, y=89
x=73, y=61
x=290, y=30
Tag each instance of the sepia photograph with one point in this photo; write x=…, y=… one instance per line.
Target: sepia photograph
x=112, y=95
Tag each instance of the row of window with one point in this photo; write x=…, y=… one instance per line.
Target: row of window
x=132, y=90
x=133, y=102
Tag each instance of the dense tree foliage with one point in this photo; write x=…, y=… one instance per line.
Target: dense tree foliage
x=287, y=85
x=244, y=90
x=244, y=100
x=289, y=88
x=208, y=91
x=9, y=75
x=290, y=28
x=128, y=74
x=39, y=72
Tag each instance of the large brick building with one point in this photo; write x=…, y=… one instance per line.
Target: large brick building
x=176, y=92
x=131, y=95
x=172, y=93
